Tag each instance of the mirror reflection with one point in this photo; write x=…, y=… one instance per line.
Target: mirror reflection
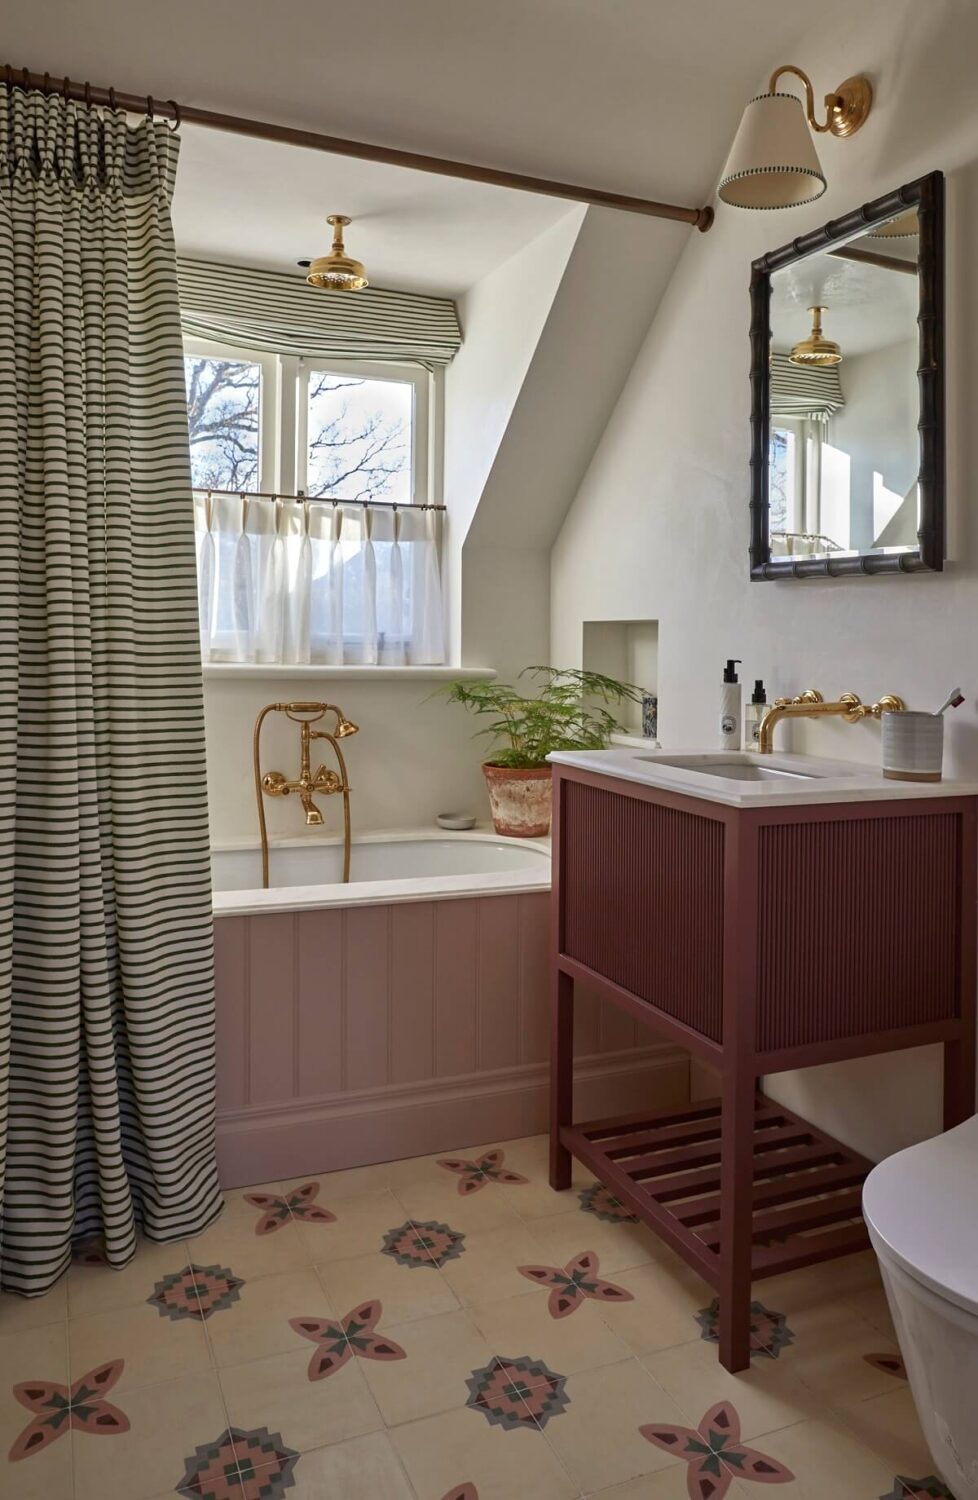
x=844, y=451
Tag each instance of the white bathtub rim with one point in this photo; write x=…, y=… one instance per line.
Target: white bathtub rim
x=254, y=902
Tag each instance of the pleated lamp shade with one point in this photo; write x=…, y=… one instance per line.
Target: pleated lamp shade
x=773, y=162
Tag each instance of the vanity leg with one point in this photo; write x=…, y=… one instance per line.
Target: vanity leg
x=561, y=1078
x=736, y=1193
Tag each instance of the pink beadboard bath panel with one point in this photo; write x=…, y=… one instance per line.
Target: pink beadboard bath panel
x=350, y=1035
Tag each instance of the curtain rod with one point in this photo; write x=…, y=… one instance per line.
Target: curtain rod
x=86, y=93
x=208, y=490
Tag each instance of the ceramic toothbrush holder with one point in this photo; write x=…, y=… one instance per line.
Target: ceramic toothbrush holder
x=913, y=746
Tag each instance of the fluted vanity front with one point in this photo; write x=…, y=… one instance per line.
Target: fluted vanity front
x=767, y=918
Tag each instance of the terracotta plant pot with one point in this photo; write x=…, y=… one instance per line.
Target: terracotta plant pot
x=519, y=800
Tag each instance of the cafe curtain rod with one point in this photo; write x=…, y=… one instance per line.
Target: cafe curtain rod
x=86, y=93
x=208, y=490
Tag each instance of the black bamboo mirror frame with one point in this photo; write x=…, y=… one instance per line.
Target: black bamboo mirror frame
x=927, y=195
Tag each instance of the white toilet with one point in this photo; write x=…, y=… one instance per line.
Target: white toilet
x=921, y=1207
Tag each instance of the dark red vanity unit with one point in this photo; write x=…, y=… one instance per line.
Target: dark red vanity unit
x=761, y=939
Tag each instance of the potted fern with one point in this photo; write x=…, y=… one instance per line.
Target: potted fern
x=570, y=710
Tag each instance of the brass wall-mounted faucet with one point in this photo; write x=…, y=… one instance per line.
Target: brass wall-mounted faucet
x=322, y=781
x=810, y=704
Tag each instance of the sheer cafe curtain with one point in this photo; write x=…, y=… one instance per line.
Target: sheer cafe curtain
x=318, y=581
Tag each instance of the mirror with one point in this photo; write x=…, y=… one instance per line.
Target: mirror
x=847, y=423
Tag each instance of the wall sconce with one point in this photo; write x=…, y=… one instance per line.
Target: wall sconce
x=773, y=162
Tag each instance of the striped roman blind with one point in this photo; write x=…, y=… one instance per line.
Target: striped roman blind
x=800, y=392
x=279, y=314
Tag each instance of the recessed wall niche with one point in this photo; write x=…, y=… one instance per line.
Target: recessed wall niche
x=627, y=650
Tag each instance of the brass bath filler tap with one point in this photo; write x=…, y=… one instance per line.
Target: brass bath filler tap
x=322, y=781
x=810, y=705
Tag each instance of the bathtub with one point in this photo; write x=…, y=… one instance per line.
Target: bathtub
x=404, y=1013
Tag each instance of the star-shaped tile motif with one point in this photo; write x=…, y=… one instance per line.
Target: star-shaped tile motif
x=299, y=1204
x=930, y=1488
x=572, y=1283
x=240, y=1465
x=195, y=1292
x=337, y=1342
x=475, y=1174
x=890, y=1364
x=602, y=1203
x=520, y=1392
x=769, y=1331
x=59, y=1408
x=430, y=1244
x=715, y=1454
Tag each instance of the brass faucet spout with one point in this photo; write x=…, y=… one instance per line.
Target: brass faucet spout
x=322, y=781
x=810, y=705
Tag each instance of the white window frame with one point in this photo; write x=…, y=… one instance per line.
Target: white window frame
x=269, y=399
x=422, y=406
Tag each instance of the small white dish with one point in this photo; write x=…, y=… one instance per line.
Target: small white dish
x=456, y=822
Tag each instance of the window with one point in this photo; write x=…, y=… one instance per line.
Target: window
x=351, y=571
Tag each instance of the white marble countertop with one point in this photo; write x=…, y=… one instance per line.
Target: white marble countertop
x=804, y=779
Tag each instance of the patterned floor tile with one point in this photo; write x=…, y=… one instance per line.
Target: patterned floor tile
x=234, y=1241
x=363, y=1468
x=475, y=1174
x=41, y=1355
x=438, y=1198
x=715, y=1453
x=196, y=1292
x=598, y=1437
x=258, y=1324
x=888, y=1424
x=570, y=1286
x=827, y=1354
x=766, y=1396
x=99, y=1288
x=360, y=1227
x=154, y=1349
x=517, y=1391
x=423, y=1245
x=17, y=1313
x=166, y=1422
x=489, y=1268
x=663, y=1313
x=769, y=1330
x=441, y=1453
x=281, y=1210
x=405, y=1293
x=338, y=1341
x=441, y=1354
x=582, y=1342
x=667, y=1484
x=238, y=1462
x=276, y=1392
x=619, y=1245
x=828, y=1460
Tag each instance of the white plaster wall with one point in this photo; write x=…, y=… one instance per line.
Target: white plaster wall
x=877, y=427
x=659, y=528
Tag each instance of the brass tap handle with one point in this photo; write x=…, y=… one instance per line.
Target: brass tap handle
x=274, y=784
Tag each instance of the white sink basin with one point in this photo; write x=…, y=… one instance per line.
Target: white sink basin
x=742, y=778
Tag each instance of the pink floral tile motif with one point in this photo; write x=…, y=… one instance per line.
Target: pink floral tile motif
x=930, y=1488
x=769, y=1331
x=514, y=1393
x=195, y=1292
x=890, y=1364
x=475, y=1174
x=429, y=1244
x=240, y=1465
x=601, y=1202
x=715, y=1454
x=299, y=1204
x=462, y=1492
x=572, y=1284
x=59, y=1408
x=338, y=1342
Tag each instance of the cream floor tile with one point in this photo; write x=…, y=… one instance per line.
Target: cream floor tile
x=32, y=1354
x=871, y=1305
x=461, y=1447
x=407, y=1292
x=359, y=1228
x=420, y=1168
x=233, y=1244
x=492, y=1207
x=619, y=1246
x=765, y=1397
x=98, y=1289
x=17, y=1313
x=667, y=1484
x=851, y=1273
x=277, y=1393
x=523, y=1325
x=597, y=1438
x=827, y=1354
x=828, y=1462
x=663, y=1314
x=442, y=1353
x=794, y=1291
x=154, y=1348
x=364, y=1468
x=487, y=1270
x=167, y=1423
x=258, y=1324
x=530, y=1156
x=340, y=1187
x=889, y=1426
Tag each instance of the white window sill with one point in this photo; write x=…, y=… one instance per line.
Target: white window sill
x=256, y=670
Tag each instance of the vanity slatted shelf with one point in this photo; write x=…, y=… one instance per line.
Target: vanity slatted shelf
x=762, y=939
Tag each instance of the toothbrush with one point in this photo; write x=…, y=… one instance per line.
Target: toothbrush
x=954, y=699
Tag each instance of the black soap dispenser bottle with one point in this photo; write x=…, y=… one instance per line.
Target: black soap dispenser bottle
x=730, y=707
x=753, y=714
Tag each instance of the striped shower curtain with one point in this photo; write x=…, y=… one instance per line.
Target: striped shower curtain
x=106, y=962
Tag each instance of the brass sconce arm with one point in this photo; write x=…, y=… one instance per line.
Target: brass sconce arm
x=845, y=109
x=810, y=705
